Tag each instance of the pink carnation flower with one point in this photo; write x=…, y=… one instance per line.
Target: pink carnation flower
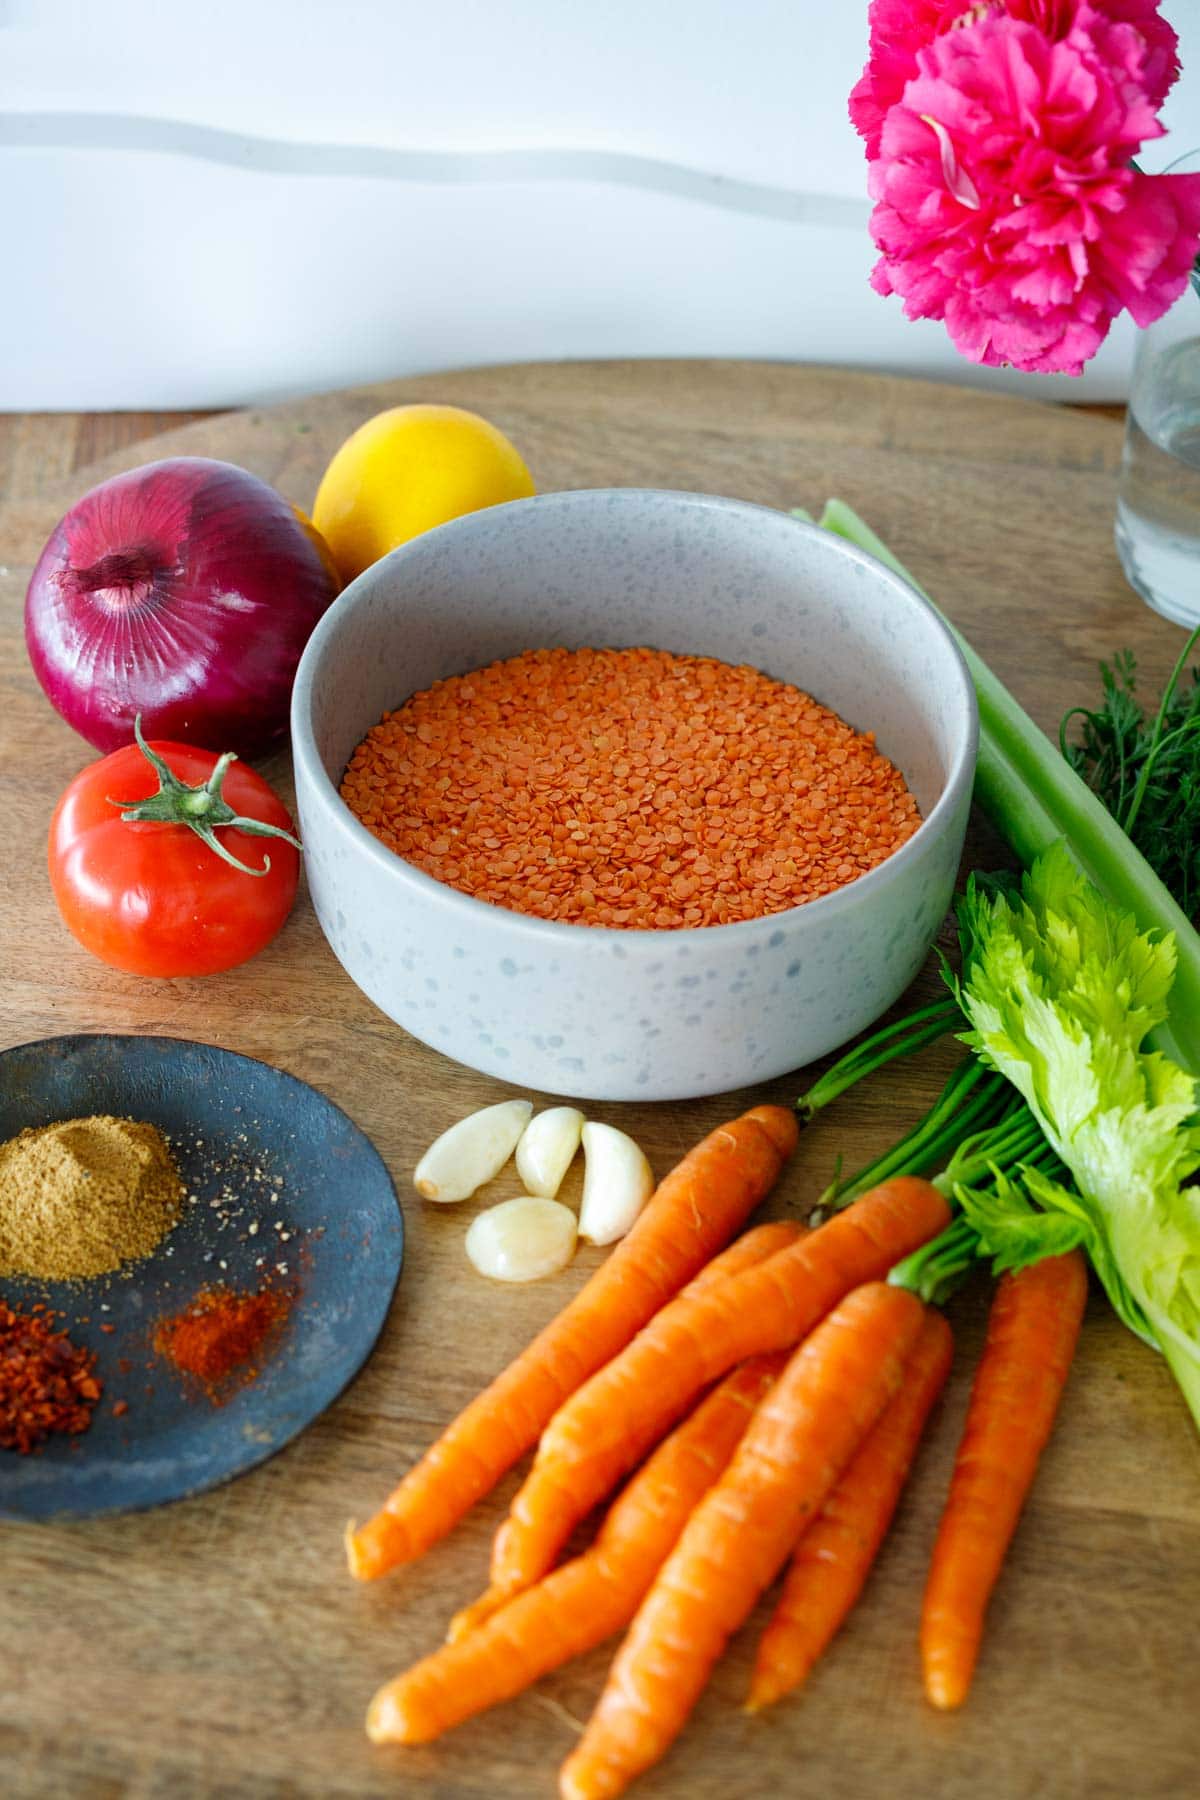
x=899, y=28
x=1161, y=68
x=1005, y=201
x=1148, y=50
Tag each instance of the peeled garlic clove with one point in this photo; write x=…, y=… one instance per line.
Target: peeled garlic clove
x=471, y=1152
x=547, y=1146
x=522, y=1240
x=617, y=1183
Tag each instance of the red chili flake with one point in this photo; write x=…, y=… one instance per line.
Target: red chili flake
x=47, y=1383
x=120, y=1408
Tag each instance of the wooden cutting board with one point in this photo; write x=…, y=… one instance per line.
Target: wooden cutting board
x=217, y=1647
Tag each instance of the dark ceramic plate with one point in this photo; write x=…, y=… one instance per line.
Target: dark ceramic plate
x=256, y=1148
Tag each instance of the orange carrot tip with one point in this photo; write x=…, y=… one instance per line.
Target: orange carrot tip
x=800, y=1439
x=375, y=1547
x=1032, y=1331
x=386, y=1721
x=588, y=1599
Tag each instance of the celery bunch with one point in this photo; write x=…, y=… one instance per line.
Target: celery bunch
x=1082, y=990
x=1061, y=991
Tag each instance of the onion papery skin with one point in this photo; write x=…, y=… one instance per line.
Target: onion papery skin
x=184, y=591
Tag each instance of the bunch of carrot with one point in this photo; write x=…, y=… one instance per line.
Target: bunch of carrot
x=776, y=1388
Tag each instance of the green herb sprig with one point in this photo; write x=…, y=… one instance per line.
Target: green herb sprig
x=1145, y=769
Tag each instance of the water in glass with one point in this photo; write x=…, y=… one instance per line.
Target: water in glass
x=1158, y=504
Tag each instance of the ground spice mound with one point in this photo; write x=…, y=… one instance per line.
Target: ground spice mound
x=84, y=1196
x=628, y=787
x=219, y=1332
x=47, y=1383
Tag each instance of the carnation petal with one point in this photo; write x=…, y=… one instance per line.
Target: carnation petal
x=1151, y=247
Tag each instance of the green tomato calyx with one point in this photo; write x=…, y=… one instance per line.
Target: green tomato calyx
x=201, y=809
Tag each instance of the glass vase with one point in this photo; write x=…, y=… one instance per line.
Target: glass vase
x=1158, y=493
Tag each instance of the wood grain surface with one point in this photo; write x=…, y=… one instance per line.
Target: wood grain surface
x=217, y=1647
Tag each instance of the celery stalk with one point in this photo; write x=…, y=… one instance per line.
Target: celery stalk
x=1034, y=797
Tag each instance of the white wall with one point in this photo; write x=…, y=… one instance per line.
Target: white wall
x=254, y=198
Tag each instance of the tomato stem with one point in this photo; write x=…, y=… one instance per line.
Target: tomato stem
x=202, y=809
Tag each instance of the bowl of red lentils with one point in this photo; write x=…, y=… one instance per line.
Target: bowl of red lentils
x=627, y=794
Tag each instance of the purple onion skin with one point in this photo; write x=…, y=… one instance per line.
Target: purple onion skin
x=184, y=590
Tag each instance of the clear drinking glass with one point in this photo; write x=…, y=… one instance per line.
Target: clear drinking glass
x=1158, y=495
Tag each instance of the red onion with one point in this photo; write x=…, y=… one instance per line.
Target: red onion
x=183, y=591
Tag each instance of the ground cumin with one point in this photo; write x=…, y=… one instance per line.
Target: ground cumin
x=629, y=788
x=84, y=1196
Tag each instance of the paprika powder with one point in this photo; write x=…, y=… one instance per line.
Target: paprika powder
x=217, y=1334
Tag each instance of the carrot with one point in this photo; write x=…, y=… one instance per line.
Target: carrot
x=699, y=1205
x=802, y=1436
x=1032, y=1332
x=834, y=1557
x=585, y=1601
x=746, y=1252
x=623, y=1410
x=751, y=1248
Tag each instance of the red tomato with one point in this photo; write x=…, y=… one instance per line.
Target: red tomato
x=153, y=898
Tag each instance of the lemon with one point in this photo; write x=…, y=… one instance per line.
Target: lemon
x=406, y=470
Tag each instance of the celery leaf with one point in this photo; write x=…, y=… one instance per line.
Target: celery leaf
x=1061, y=990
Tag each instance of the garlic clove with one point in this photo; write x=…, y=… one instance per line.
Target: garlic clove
x=522, y=1240
x=471, y=1152
x=617, y=1183
x=547, y=1147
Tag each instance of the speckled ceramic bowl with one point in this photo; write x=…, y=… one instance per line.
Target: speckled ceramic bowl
x=604, y=1014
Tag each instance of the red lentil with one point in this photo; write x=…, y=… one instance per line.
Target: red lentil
x=47, y=1383
x=632, y=788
